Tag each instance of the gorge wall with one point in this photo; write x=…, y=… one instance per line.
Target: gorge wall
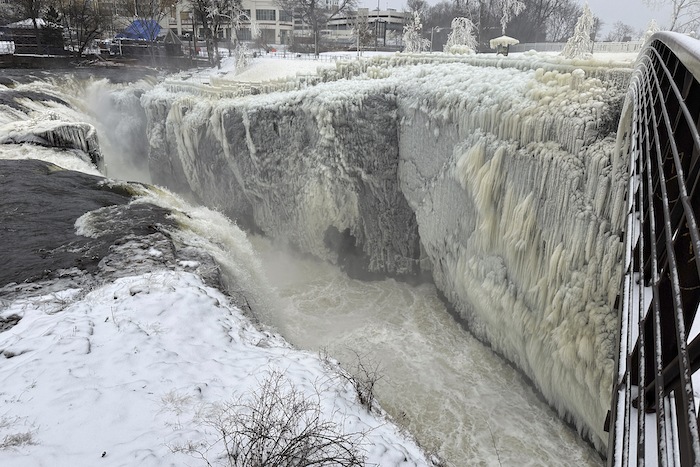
x=497, y=176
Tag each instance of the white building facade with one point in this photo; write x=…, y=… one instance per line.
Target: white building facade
x=275, y=24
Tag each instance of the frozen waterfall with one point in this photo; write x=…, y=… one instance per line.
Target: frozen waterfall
x=497, y=175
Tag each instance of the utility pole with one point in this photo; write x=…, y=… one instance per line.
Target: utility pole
x=432, y=31
x=376, y=29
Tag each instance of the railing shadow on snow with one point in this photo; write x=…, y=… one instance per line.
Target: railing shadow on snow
x=659, y=346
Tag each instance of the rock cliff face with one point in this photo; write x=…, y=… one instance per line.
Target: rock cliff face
x=328, y=185
x=499, y=177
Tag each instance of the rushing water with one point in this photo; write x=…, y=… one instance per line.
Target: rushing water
x=453, y=393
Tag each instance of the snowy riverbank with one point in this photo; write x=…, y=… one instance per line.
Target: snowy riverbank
x=117, y=363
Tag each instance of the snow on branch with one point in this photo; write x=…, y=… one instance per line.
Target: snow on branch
x=412, y=36
x=509, y=9
x=462, y=37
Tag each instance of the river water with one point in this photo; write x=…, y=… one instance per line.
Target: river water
x=453, y=393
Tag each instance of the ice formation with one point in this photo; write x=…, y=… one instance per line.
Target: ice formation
x=54, y=133
x=497, y=174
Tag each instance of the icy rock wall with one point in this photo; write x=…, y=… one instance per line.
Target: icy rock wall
x=317, y=170
x=506, y=170
x=518, y=206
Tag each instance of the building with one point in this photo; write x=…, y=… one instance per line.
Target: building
x=275, y=24
x=382, y=23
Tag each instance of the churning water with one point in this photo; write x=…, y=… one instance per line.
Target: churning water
x=453, y=393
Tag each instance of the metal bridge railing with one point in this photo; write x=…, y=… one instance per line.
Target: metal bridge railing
x=653, y=420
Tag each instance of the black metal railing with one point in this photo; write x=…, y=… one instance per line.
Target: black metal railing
x=653, y=420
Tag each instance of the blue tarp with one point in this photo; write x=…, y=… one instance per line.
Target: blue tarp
x=146, y=29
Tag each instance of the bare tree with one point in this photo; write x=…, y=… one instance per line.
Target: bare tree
x=561, y=24
x=361, y=30
x=316, y=13
x=596, y=28
x=85, y=22
x=544, y=19
x=9, y=13
x=31, y=9
x=417, y=6
x=620, y=32
x=685, y=14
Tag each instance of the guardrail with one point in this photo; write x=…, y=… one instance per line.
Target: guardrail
x=653, y=420
x=630, y=46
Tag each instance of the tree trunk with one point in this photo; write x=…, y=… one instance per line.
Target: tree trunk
x=36, y=36
x=193, y=52
x=316, y=41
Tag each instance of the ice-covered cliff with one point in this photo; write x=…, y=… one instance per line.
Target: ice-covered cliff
x=498, y=175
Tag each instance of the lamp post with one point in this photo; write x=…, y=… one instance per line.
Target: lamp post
x=432, y=31
x=376, y=29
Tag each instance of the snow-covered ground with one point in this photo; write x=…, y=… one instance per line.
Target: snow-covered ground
x=118, y=374
x=273, y=67
x=121, y=371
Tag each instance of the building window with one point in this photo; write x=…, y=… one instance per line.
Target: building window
x=247, y=15
x=268, y=36
x=284, y=36
x=265, y=15
x=285, y=17
x=244, y=34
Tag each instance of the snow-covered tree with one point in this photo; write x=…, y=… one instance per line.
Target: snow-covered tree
x=580, y=43
x=652, y=28
x=685, y=14
x=462, y=35
x=412, y=36
x=212, y=16
x=240, y=52
x=508, y=9
x=316, y=13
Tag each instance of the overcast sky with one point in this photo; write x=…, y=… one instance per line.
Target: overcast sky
x=632, y=12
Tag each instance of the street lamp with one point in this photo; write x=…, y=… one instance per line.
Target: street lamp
x=432, y=31
x=376, y=29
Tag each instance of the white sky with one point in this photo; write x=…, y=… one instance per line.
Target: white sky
x=632, y=12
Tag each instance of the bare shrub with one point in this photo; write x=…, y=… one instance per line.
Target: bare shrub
x=15, y=440
x=363, y=375
x=276, y=426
